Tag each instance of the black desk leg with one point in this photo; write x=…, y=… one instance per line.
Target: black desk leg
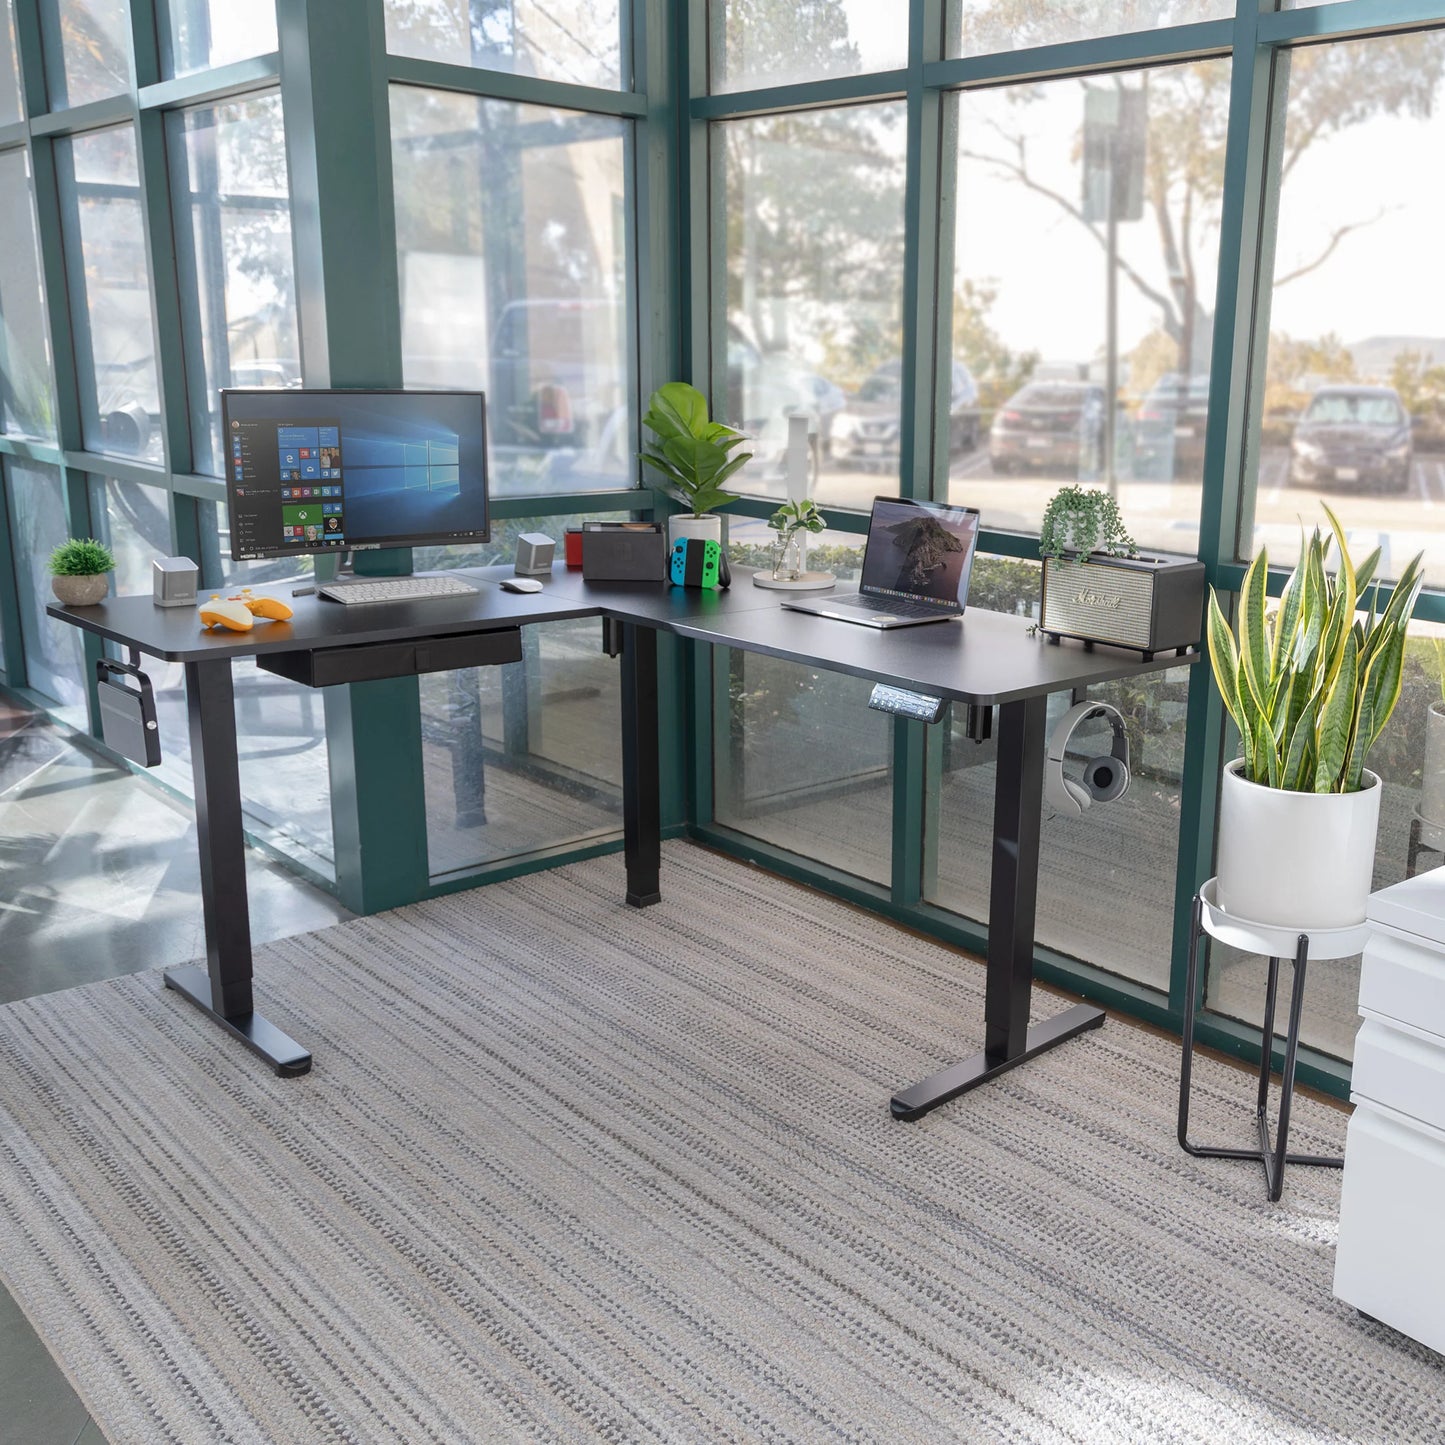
x=1013, y=896
x=641, y=798
x=223, y=988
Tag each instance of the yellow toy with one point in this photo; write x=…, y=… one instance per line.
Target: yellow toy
x=230, y=614
x=238, y=613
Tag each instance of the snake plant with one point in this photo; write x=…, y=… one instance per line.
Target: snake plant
x=1310, y=685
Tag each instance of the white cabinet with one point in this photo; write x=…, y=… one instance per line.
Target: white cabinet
x=1391, y=1257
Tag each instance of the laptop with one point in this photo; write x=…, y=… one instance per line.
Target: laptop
x=916, y=566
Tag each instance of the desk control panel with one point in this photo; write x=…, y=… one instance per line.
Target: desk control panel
x=902, y=703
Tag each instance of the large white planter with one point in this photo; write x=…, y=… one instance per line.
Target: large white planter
x=1296, y=860
x=707, y=528
x=1432, y=784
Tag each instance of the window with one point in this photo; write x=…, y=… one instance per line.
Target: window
x=1077, y=380
x=811, y=208
x=54, y=652
x=234, y=225
x=978, y=27
x=11, y=108
x=206, y=33
x=753, y=44
x=511, y=235
x=26, y=402
x=1352, y=401
x=110, y=293
x=87, y=50
x=571, y=40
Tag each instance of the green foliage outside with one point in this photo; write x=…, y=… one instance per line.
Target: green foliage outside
x=81, y=557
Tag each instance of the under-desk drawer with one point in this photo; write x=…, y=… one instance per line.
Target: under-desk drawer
x=370, y=662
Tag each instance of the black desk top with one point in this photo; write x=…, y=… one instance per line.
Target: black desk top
x=985, y=658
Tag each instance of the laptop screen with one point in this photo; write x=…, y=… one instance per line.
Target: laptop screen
x=920, y=551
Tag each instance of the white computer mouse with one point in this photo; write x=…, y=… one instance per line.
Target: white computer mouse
x=520, y=584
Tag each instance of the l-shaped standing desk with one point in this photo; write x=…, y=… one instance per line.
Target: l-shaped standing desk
x=985, y=660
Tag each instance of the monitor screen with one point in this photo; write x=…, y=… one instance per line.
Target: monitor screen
x=311, y=470
x=921, y=551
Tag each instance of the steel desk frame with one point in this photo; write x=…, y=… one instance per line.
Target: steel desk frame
x=985, y=660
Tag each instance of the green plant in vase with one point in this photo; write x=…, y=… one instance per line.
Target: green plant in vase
x=788, y=521
x=1080, y=521
x=694, y=455
x=78, y=571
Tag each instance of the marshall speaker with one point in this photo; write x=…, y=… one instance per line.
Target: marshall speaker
x=1147, y=604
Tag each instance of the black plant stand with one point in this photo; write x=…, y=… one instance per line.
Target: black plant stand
x=1275, y=943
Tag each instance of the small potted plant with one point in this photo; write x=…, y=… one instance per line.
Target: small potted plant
x=78, y=571
x=695, y=455
x=1432, y=782
x=1080, y=521
x=1097, y=587
x=1310, y=685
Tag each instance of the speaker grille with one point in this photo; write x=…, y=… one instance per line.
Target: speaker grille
x=1090, y=599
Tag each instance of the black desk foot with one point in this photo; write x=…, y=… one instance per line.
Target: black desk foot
x=643, y=900
x=913, y=1103
x=279, y=1050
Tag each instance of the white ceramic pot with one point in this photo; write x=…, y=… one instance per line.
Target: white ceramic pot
x=707, y=528
x=1296, y=860
x=1432, y=784
x=81, y=591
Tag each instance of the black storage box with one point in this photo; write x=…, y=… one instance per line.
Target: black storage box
x=624, y=552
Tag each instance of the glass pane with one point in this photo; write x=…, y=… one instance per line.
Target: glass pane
x=54, y=653
x=574, y=40
x=230, y=162
x=111, y=293
x=11, y=108
x=94, y=50
x=813, y=216
x=205, y=33
x=1037, y=325
x=979, y=27
x=1410, y=759
x=799, y=758
x=26, y=403
x=752, y=45
x=511, y=231
x=524, y=756
x=1353, y=399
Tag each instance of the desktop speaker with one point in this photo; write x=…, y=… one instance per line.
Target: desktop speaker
x=174, y=580
x=535, y=552
x=1147, y=604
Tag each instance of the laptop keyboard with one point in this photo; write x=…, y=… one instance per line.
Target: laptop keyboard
x=893, y=606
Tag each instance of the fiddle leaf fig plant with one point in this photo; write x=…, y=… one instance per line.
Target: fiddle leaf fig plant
x=693, y=453
x=1081, y=521
x=1311, y=685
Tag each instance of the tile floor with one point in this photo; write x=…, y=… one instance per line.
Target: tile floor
x=98, y=877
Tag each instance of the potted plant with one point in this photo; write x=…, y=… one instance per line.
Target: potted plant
x=78, y=571
x=1432, y=783
x=696, y=456
x=1310, y=686
x=788, y=521
x=1080, y=521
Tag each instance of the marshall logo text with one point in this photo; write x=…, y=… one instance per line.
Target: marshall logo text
x=1084, y=598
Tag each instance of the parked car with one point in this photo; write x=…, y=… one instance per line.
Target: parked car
x=1352, y=436
x=866, y=430
x=1049, y=424
x=1169, y=430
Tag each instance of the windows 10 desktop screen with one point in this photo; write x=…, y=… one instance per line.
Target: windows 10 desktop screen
x=307, y=471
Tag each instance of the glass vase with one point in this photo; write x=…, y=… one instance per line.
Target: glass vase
x=787, y=556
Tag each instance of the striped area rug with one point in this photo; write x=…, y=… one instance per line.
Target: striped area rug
x=565, y=1171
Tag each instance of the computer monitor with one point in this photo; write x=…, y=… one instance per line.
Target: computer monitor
x=312, y=471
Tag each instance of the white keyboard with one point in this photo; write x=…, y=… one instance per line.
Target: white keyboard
x=397, y=589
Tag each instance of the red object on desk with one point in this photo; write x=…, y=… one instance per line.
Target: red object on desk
x=572, y=546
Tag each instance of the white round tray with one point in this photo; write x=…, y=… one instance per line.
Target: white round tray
x=1272, y=939
x=805, y=582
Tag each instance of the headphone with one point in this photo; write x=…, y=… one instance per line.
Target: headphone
x=1105, y=777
